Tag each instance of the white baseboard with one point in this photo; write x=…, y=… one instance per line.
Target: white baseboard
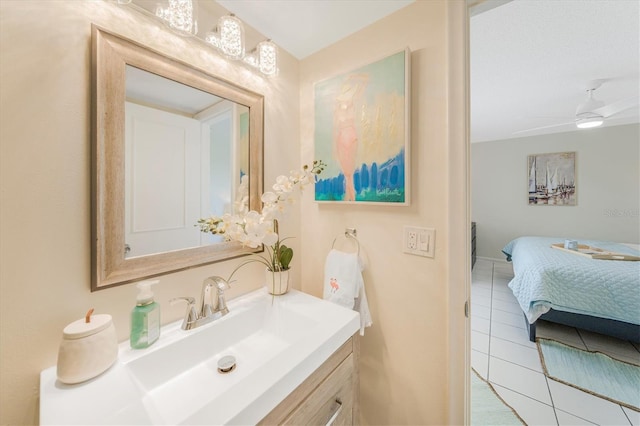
x=491, y=259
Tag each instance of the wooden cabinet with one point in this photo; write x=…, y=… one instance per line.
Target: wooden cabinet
x=328, y=396
x=473, y=244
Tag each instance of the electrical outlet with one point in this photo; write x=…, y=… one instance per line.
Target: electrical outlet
x=419, y=241
x=412, y=239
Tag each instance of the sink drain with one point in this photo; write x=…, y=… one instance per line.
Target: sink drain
x=226, y=364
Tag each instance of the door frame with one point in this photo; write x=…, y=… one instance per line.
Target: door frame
x=459, y=206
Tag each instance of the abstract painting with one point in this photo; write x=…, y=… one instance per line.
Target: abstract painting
x=362, y=133
x=552, y=179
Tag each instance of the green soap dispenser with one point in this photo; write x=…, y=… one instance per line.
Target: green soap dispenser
x=145, y=317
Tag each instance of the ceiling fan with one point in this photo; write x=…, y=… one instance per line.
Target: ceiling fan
x=593, y=112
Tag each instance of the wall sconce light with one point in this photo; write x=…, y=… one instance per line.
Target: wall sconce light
x=180, y=16
x=229, y=40
x=267, y=57
x=264, y=57
x=228, y=37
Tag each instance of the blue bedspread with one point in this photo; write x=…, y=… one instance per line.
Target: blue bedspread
x=549, y=278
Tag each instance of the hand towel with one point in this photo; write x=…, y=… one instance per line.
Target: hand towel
x=343, y=284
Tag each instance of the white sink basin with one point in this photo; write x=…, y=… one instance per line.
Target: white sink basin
x=277, y=342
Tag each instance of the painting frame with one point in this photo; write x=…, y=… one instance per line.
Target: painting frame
x=362, y=132
x=552, y=179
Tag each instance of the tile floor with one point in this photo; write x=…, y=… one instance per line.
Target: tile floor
x=502, y=354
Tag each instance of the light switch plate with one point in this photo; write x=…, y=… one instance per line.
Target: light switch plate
x=419, y=241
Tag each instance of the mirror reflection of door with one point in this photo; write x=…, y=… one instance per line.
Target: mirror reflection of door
x=182, y=162
x=223, y=161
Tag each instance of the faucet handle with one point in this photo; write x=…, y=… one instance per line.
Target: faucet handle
x=191, y=315
x=221, y=284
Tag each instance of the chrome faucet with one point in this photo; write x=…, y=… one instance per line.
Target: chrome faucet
x=212, y=304
x=208, y=306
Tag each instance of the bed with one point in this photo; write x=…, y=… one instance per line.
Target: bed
x=598, y=295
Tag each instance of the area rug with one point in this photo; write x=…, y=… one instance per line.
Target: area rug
x=592, y=372
x=487, y=408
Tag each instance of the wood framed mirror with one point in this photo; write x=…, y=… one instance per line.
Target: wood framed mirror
x=170, y=144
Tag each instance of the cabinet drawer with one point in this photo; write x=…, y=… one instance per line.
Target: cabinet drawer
x=314, y=401
x=331, y=402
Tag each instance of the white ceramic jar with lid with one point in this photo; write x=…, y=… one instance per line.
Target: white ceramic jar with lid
x=89, y=347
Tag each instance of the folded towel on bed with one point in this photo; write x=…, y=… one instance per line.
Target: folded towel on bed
x=343, y=284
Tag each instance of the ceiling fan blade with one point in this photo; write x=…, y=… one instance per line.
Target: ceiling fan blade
x=617, y=107
x=546, y=117
x=544, y=127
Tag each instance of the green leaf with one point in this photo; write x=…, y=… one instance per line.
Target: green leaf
x=286, y=254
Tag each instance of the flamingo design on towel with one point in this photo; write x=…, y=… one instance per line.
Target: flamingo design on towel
x=334, y=285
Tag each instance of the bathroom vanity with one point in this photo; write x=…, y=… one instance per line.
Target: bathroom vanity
x=296, y=363
x=328, y=396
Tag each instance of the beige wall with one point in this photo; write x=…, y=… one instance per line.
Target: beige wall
x=413, y=357
x=45, y=170
x=405, y=359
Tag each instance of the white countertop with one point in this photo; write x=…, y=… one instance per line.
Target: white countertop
x=172, y=381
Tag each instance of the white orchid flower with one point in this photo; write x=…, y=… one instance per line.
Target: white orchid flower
x=276, y=210
x=269, y=211
x=270, y=237
x=305, y=180
x=297, y=175
x=251, y=228
x=258, y=231
x=235, y=232
x=252, y=218
x=250, y=237
x=283, y=184
x=241, y=205
x=269, y=198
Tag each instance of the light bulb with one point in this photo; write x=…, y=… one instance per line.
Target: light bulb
x=267, y=57
x=231, y=37
x=180, y=16
x=589, y=122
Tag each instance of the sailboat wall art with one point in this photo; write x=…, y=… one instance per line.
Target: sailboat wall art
x=362, y=133
x=552, y=179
